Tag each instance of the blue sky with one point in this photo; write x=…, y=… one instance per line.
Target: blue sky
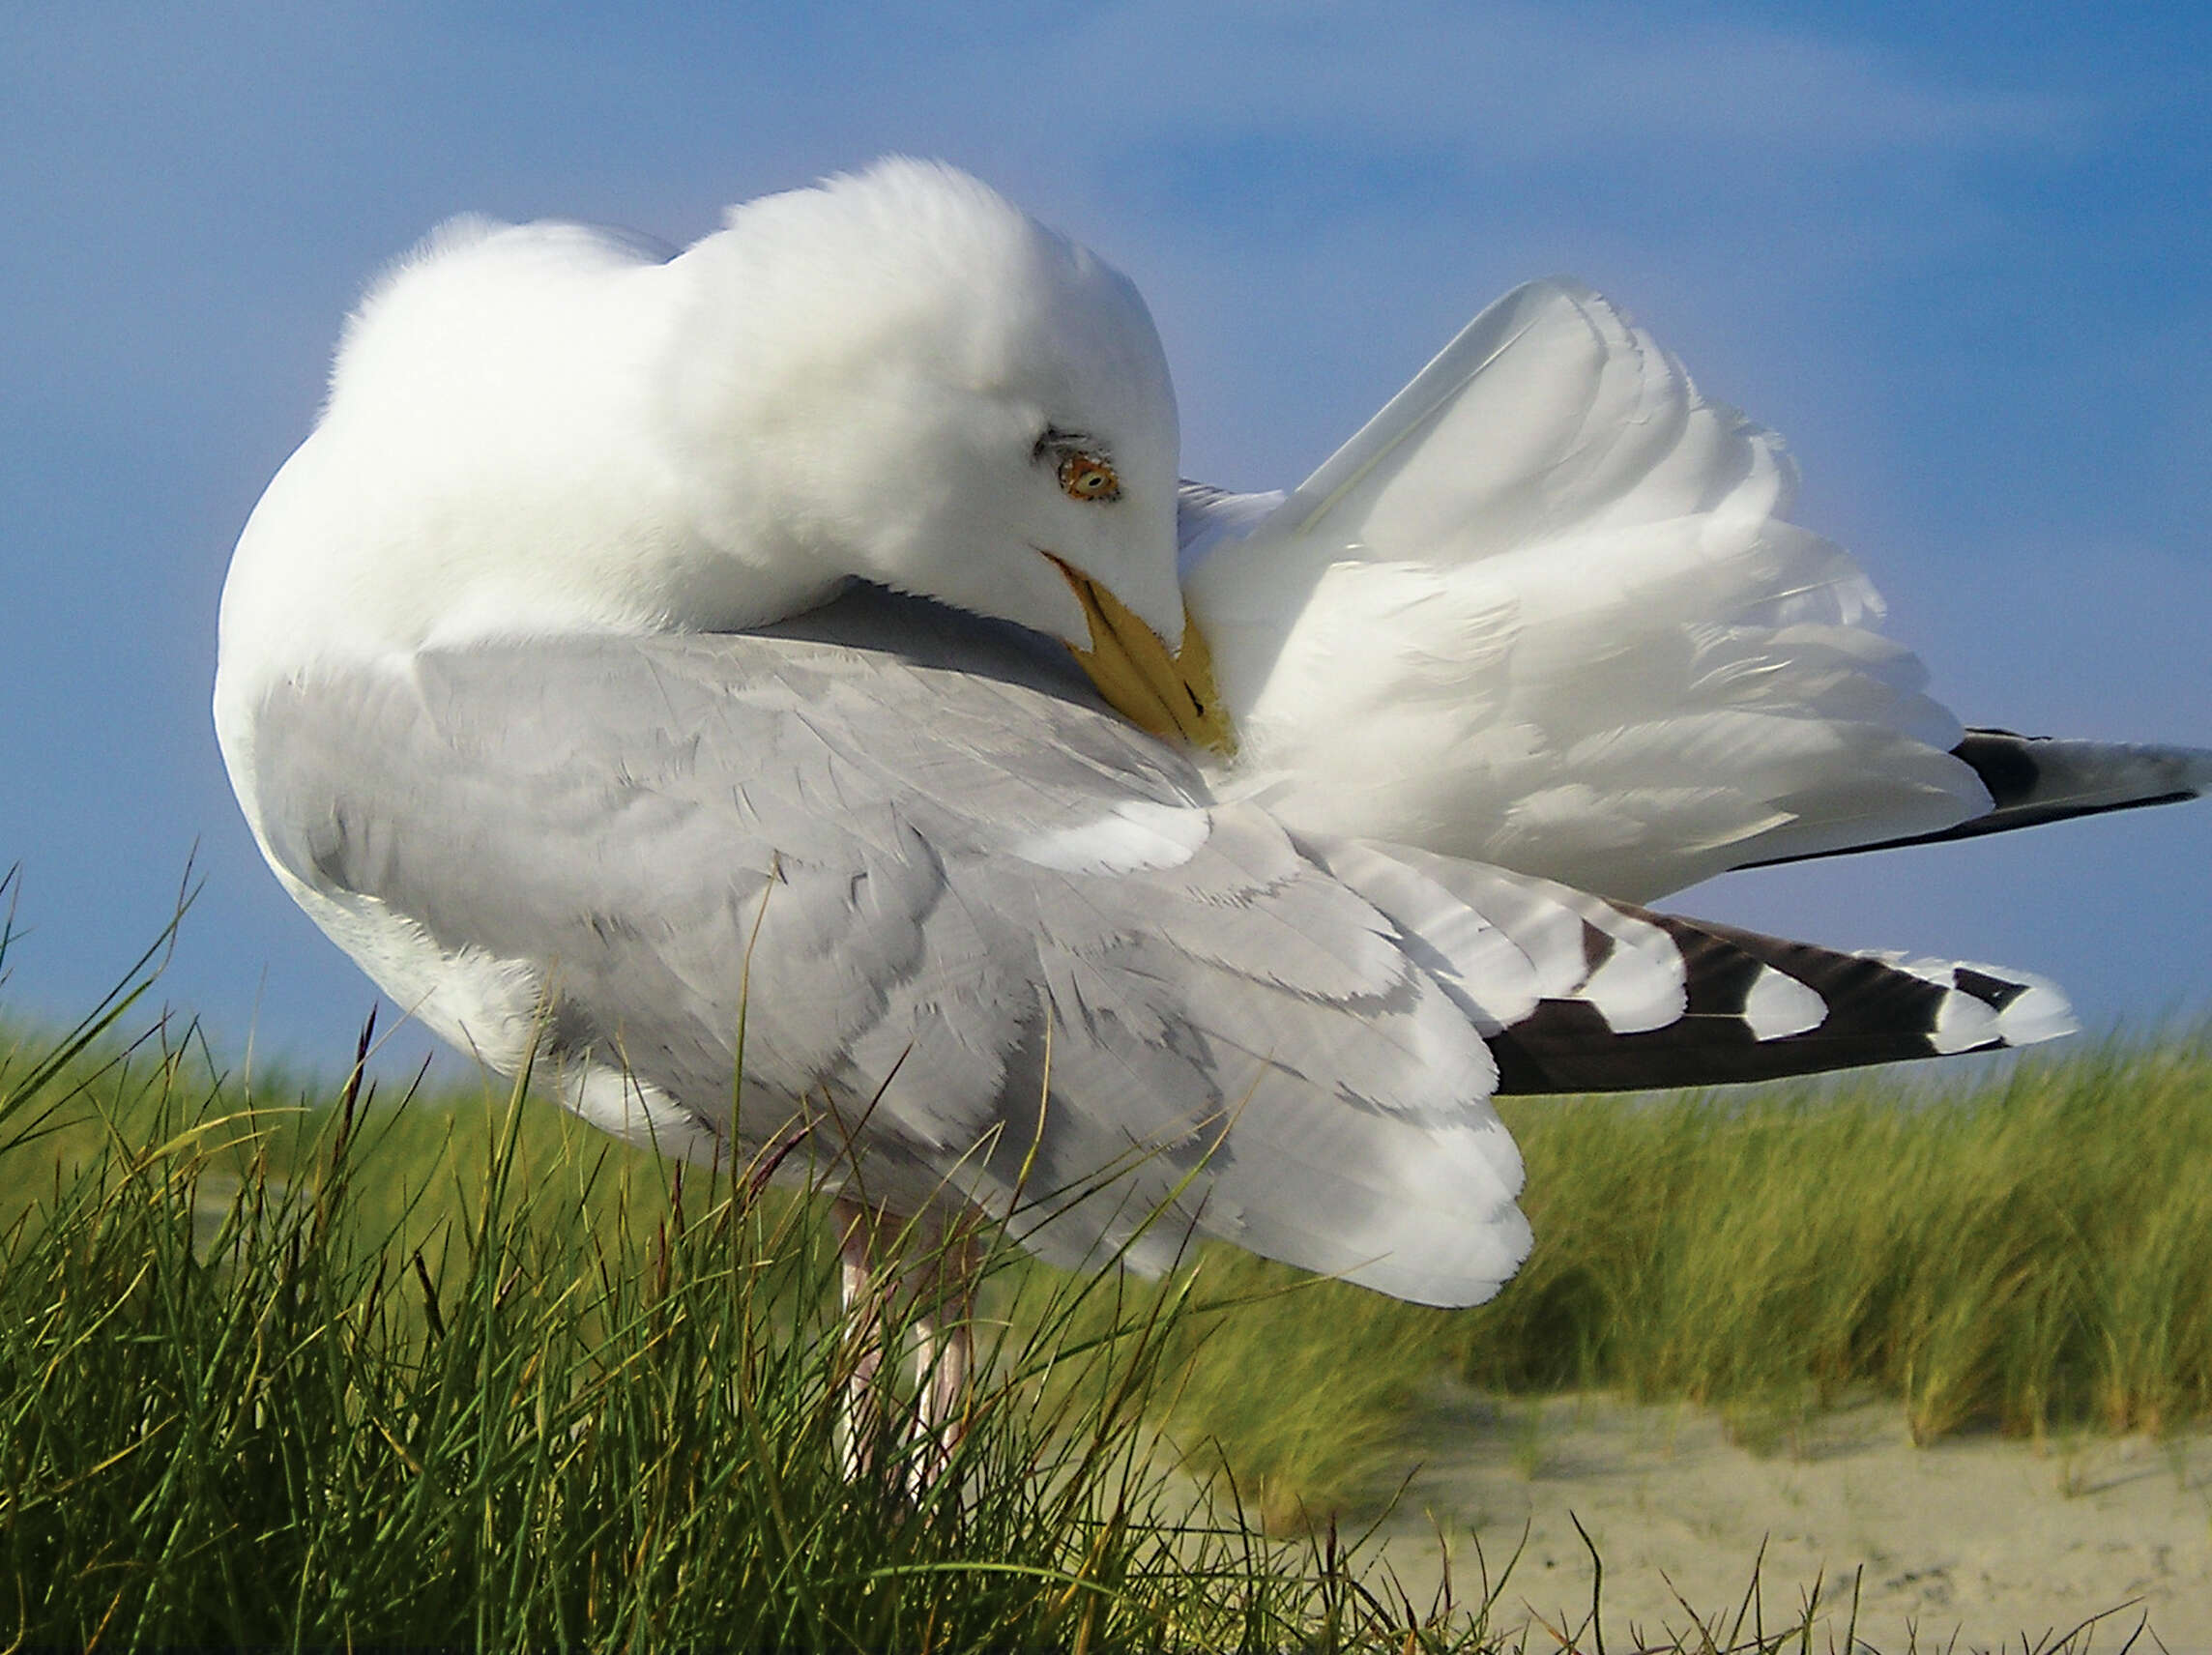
x=1961, y=257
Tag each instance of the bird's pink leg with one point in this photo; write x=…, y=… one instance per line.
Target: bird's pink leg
x=944, y=1352
x=861, y=1414
x=944, y=1289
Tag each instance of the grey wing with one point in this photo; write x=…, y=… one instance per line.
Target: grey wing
x=993, y=936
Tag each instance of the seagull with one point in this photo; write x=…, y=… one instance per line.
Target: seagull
x=756, y=687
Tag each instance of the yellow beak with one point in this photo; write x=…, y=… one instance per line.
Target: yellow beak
x=1171, y=695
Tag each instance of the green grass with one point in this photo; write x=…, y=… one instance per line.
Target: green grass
x=2026, y=1253
x=284, y=1365
x=317, y=1370
x=261, y=1390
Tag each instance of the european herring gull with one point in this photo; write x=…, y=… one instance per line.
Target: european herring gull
x=787, y=636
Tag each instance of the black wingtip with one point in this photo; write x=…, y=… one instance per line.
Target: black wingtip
x=1763, y=1008
x=2037, y=780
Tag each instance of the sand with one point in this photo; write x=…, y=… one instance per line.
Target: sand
x=2003, y=1543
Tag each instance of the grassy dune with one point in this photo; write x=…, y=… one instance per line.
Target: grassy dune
x=287, y=1365
x=2023, y=1253
x=2026, y=1252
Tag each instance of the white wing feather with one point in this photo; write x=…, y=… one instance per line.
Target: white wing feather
x=1544, y=611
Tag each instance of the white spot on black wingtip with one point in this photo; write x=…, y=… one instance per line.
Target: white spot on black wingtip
x=1987, y=1007
x=1778, y=1005
x=1963, y=1024
x=2034, y=1009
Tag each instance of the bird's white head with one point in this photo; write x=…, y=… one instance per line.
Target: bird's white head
x=901, y=373
x=901, y=376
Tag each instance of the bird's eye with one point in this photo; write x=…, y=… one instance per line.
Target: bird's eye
x=1087, y=478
